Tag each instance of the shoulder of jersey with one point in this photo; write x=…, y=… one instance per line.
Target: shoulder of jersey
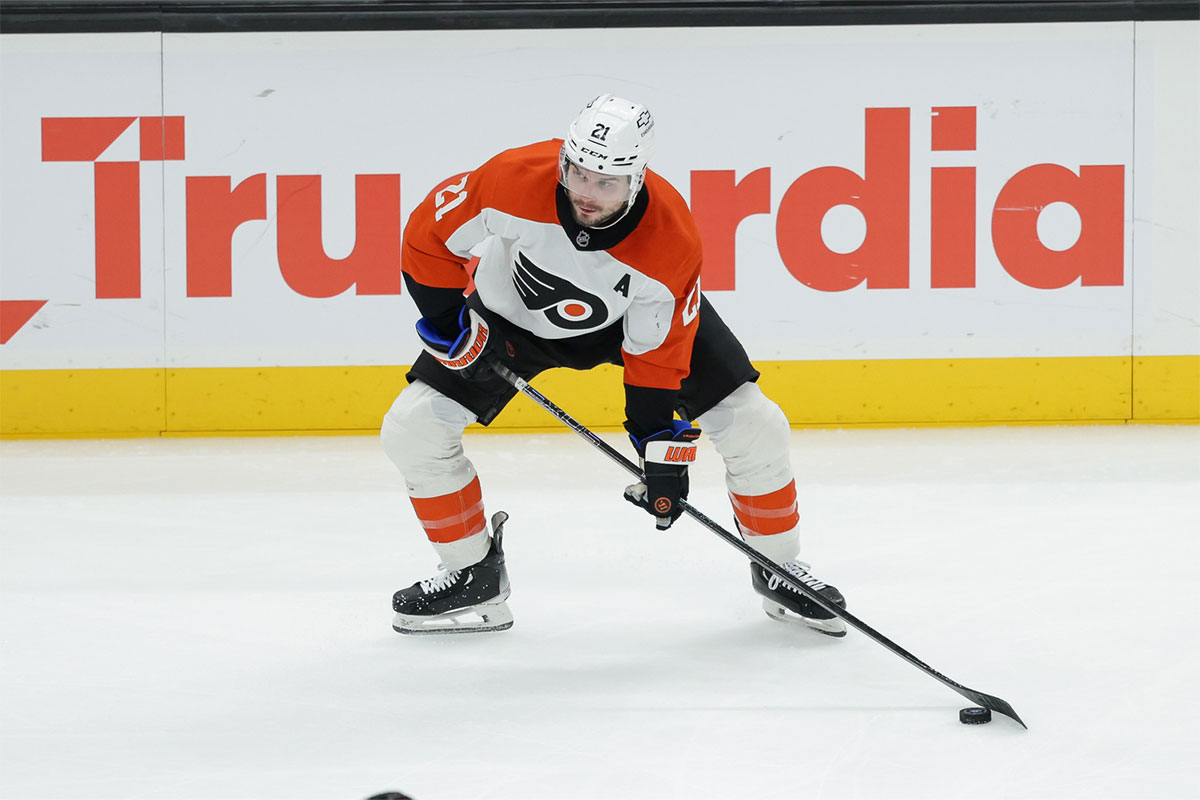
x=666, y=243
x=521, y=181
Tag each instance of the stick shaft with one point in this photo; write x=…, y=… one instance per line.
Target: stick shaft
x=985, y=700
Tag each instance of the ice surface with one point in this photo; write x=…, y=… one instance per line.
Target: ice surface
x=210, y=619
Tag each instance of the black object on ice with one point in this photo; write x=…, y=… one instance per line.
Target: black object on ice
x=975, y=716
x=979, y=698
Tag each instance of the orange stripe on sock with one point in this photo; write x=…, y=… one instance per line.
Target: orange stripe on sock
x=767, y=514
x=454, y=516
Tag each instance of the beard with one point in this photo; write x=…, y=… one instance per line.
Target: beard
x=599, y=218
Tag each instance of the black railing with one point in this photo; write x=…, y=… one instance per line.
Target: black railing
x=61, y=16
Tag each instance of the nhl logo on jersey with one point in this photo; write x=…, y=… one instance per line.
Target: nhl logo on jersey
x=583, y=238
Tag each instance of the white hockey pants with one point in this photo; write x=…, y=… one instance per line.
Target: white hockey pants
x=422, y=434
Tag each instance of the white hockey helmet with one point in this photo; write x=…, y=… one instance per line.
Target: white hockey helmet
x=611, y=136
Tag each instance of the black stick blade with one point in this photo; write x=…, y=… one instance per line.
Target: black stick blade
x=995, y=704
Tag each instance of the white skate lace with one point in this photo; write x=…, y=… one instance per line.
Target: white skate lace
x=443, y=580
x=798, y=570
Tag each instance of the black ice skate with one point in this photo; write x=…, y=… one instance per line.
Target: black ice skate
x=783, y=602
x=467, y=600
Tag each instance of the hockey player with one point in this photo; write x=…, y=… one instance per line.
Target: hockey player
x=585, y=257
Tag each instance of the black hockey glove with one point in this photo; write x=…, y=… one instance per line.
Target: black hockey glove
x=463, y=350
x=665, y=458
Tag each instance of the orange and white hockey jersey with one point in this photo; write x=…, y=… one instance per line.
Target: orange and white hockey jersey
x=541, y=271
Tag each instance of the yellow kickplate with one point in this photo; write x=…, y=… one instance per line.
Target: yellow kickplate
x=86, y=402
x=254, y=401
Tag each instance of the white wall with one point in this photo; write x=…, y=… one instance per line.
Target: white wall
x=424, y=105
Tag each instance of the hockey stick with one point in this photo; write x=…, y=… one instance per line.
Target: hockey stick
x=979, y=698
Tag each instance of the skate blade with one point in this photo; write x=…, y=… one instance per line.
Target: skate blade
x=478, y=619
x=830, y=627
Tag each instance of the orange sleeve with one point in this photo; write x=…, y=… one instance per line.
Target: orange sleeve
x=424, y=256
x=666, y=246
x=667, y=365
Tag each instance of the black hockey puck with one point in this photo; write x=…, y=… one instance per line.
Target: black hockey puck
x=389, y=796
x=975, y=716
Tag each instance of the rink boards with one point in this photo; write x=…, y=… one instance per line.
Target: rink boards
x=904, y=225
x=336, y=400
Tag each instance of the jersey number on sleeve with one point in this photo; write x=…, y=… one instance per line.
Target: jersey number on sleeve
x=691, y=306
x=455, y=192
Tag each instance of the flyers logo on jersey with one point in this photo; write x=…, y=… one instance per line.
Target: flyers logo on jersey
x=563, y=303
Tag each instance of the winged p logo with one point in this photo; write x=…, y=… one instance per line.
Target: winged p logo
x=564, y=304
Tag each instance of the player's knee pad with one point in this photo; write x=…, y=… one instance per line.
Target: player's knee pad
x=422, y=435
x=753, y=436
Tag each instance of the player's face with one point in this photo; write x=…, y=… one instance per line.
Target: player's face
x=595, y=198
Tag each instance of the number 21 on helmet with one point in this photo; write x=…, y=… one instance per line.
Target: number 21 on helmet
x=606, y=149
